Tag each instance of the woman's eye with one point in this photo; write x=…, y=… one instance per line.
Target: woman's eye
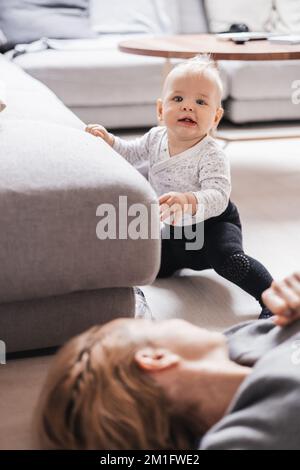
x=177, y=99
x=200, y=102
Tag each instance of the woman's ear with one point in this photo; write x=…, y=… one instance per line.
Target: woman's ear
x=159, y=111
x=155, y=360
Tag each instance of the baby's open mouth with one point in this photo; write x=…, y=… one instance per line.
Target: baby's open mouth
x=187, y=121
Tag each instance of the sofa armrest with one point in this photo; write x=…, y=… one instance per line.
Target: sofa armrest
x=53, y=180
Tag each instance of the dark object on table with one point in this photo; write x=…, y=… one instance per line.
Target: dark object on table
x=239, y=28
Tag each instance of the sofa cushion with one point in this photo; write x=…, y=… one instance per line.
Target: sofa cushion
x=256, y=14
x=99, y=77
x=24, y=21
x=52, y=180
x=96, y=77
x=133, y=16
x=51, y=321
x=243, y=111
x=287, y=16
x=192, y=17
x=30, y=99
x=275, y=79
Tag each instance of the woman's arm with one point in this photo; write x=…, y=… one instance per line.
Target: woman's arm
x=283, y=299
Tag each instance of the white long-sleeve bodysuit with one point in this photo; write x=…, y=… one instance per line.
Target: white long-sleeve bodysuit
x=203, y=169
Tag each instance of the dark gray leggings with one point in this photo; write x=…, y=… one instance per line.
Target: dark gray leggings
x=222, y=251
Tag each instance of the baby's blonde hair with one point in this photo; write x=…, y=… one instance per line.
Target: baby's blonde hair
x=202, y=64
x=97, y=397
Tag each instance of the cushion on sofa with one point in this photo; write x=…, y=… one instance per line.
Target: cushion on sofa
x=192, y=16
x=24, y=21
x=134, y=16
x=287, y=16
x=47, y=322
x=53, y=179
x=29, y=99
x=246, y=111
x=107, y=73
x=256, y=14
x=275, y=79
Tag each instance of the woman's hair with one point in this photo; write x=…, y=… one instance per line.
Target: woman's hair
x=97, y=397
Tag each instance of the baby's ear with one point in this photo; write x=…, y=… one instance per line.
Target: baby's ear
x=159, y=111
x=218, y=117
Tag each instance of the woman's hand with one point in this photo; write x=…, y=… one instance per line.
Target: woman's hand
x=175, y=204
x=283, y=299
x=99, y=131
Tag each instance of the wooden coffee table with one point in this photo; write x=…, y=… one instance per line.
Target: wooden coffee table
x=187, y=46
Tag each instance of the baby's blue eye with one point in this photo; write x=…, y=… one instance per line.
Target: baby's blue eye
x=177, y=99
x=200, y=102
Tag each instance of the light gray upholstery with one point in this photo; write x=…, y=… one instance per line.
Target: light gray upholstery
x=27, y=21
x=57, y=278
x=29, y=99
x=48, y=322
x=53, y=178
x=260, y=90
x=241, y=111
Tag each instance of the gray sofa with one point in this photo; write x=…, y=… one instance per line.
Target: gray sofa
x=101, y=84
x=57, y=277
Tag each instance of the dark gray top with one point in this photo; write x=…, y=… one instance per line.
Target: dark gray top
x=265, y=412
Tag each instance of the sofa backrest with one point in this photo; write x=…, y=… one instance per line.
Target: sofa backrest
x=256, y=14
x=279, y=16
x=192, y=16
x=148, y=16
x=133, y=16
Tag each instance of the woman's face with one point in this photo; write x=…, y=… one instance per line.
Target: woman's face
x=185, y=339
x=178, y=336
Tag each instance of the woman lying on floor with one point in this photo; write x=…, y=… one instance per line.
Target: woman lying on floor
x=137, y=384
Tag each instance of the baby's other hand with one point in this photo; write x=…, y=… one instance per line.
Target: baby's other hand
x=99, y=131
x=283, y=299
x=174, y=204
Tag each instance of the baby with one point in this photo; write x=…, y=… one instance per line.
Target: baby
x=190, y=173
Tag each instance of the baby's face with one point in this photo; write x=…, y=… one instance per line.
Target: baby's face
x=190, y=107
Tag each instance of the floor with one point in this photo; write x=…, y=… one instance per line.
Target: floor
x=266, y=188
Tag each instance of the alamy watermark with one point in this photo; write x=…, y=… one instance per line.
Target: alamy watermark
x=2, y=353
x=296, y=92
x=140, y=221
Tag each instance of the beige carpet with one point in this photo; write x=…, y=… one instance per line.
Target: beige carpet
x=266, y=188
